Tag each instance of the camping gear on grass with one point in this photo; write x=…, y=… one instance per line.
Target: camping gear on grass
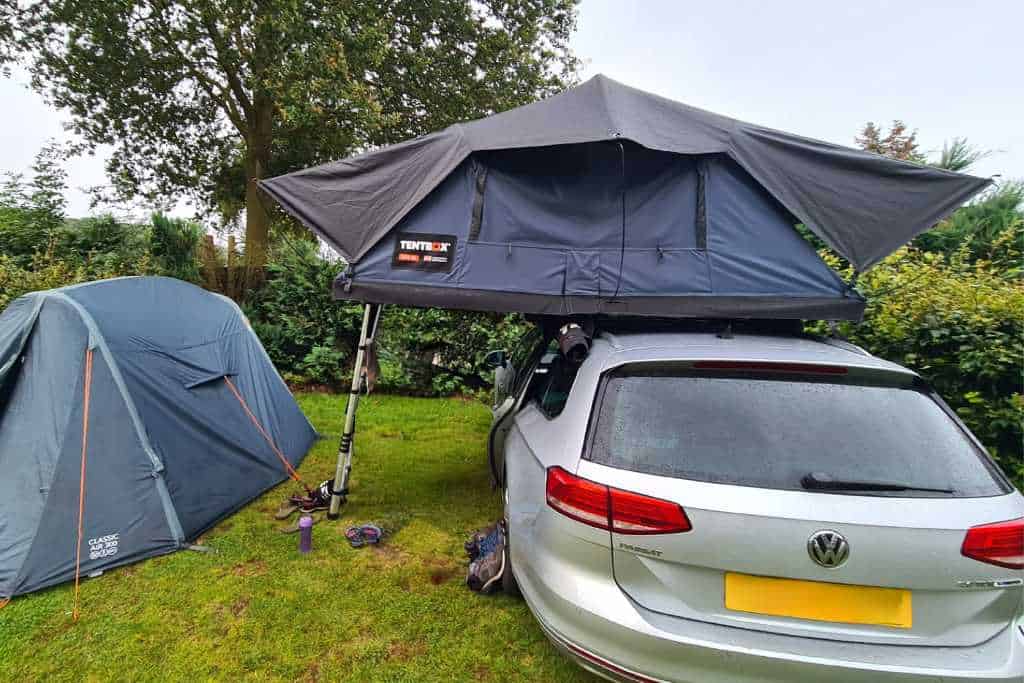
x=605, y=200
x=135, y=413
x=364, y=534
x=305, y=534
x=486, y=550
x=315, y=500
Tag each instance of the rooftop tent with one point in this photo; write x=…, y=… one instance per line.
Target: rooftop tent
x=121, y=394
x=606, y=199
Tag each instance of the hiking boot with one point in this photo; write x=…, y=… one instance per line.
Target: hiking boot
x=486, y=570
x=472, y=546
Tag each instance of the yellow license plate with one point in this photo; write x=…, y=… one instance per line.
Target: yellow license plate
x=819, y=601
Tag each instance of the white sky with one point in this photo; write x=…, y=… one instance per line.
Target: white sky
x=820, y=69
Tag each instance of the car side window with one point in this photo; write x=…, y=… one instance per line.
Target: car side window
x=551, y=382
x=525, y=357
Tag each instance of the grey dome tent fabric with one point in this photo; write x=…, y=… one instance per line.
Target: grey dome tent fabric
x=142, y=371
x=607, y=199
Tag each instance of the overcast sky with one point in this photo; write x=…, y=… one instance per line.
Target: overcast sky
x=820, y=69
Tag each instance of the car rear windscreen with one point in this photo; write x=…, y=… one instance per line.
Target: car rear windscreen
x=771, y=433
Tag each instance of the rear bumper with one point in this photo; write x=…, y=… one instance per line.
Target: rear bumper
x=589, y=618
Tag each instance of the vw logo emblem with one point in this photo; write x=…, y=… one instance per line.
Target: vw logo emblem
x=828, y=548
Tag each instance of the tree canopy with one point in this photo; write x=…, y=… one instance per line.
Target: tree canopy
x=200, y=98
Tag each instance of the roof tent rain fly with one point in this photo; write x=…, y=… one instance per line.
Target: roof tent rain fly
x=608, y=200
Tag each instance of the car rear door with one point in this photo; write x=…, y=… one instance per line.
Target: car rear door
x=510, y=385
x=756, y=458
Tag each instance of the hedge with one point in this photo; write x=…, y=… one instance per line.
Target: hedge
x=960, y=324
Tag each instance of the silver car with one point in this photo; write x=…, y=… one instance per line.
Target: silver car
x=754, y=507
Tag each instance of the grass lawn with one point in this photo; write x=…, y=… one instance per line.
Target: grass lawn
x=257, y=609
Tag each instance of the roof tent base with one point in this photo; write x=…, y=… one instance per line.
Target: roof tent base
x=850, y=307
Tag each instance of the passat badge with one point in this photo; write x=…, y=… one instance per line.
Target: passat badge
x=424, y=251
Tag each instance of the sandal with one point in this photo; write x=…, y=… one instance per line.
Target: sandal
x=366, y=534
x=287, y=508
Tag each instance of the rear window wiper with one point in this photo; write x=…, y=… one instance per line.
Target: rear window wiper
x=819, y=481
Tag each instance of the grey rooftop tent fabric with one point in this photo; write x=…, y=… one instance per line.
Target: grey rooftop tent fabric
x=170, y=449
x=607, y=199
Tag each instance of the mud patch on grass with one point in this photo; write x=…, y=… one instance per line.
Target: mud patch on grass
x=403, y=651
x=441, y=569
x=253, y=567
x=386, y=556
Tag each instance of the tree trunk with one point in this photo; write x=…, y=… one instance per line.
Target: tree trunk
x=257, y=217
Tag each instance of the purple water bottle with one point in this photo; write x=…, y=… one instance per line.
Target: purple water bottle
x=305, y=534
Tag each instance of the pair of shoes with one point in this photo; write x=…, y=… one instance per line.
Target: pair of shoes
x=317, y=499
x=486, y=569
x=366, y=534
x=472, y=546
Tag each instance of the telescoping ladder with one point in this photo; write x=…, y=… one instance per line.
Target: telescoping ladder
x=367, y=336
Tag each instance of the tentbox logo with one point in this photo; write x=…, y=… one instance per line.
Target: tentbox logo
x=424, y=251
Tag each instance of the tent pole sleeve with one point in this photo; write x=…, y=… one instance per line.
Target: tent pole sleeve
x=344, y=466
x=702, y=205
x=479, y=186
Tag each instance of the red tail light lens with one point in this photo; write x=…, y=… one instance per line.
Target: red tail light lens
x=1001, y=544
x=584, y=501
x=623, y=512
x=633, y=513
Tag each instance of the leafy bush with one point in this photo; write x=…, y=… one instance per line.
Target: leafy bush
x=293, y=313
x=986, y=226
x=324, y=365
x=439, y=352
x=47, y=271
x=960, y=324
x=31, y=211
x=174, y=245
x=16, y=279
x=312, y=338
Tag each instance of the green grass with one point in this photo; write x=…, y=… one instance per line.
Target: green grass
x=257, y=609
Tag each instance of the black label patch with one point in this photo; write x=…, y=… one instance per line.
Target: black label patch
x=424, y=251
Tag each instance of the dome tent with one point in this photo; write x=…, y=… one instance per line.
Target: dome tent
x=120, y=425
x=604, y=199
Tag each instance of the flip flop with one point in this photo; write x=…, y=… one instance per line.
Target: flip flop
x=365, y=534
x=354, y=534
x=306, y=504
x=371, y=534
x=286, y=510
x=294, y=526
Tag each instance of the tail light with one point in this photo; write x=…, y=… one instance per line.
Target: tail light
x=604, y=507
x=1001, y=544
